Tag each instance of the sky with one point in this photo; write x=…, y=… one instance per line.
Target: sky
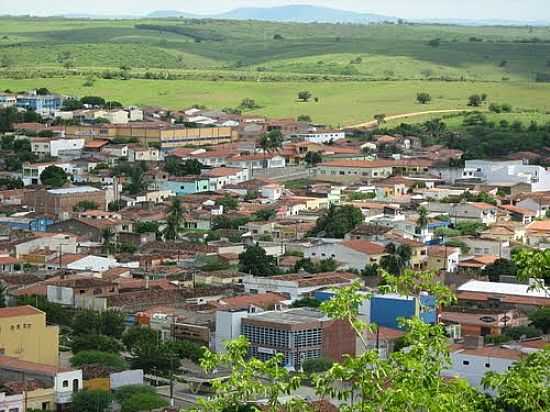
x=455, y=9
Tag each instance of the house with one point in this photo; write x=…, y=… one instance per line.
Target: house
x=481, y=246
x=296, y=286
x=538, y=233
x=185, y=185
x=21, y=222
x=25, y=335
x=7, y=100
x=256, y=161
x=474, y=212
x=138, y=153
x=476, y=263
x=363, y=168
x=222, y=176
x=13, y=197
x=502, y=295
x=70, y=292
x=115, y=150
x=50, y=241
x=443, y=258
x=368, y=231
x=219, y=277
x=7, y=263
x=320, y=136
x=46, y=147
x=64, y=381
x=536, y=202
x=33, y=171
x=506, y=232
x=91, y=229
x=419, y=250
x=483, y=323
x=520, y=214
x=355, y=254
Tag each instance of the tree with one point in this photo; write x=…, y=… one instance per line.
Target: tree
x=91, y=401
x=112, y=323
x=524, y=388
x=337, y=221
x=95, y=343
x=434, y=43
x=115, y=205
x=93, y=101
x=370, y=270
x=396, y=258
x=422, y=221
x=228, y=202
x=177, y=167
x=53, y=176
x=540, y=319
x=174, y=221
x=137, y=335
x=248, y=104
x=42, y=91
x=152, y=357
x=271, y=141
x=265, y=215
x=380, y=119
x=519, y=332
x=107, y=235
x=93, y=357
x=324, y=265
x=8, y=117
x=255, y=261
x=423, y=98
x=185, y=349
x=500, y=267
x=304, y=118
x=84, y=205
x=312, y=159
x=89, y=322
x=304, y=96
x=137, y=179
x=474, y=100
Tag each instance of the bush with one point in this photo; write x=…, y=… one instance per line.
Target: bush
x=91, y=401
x=95, y=343
x=522, y=331
x=93, y=357
x=317, y=365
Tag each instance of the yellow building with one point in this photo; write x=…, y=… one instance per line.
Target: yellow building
x=24, y=335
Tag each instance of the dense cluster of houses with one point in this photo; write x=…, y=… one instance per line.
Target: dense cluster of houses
x=192, y=287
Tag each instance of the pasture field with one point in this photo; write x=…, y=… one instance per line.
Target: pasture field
x=340, y=104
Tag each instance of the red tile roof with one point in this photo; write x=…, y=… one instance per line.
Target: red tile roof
x=364, y=246
x=14, y=364
x=222, y=171
x=7, y=260
x=15, y=311
x=264, y=300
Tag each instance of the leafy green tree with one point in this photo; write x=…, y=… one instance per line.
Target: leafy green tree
x=91, y=401
x=324, y=265
x=423, y=98
x=53, y=176
x=112, y=323
x=518, y=332
x=265, y=215
x=255, y=261
x=249, y=104
x=396, y=259
x=524, y=388
x=93, y=101
x=380, y=119
x=540, y=319
x=304, y=118
x=304, y=96
x=185, y=349
x=312, y=159
x=306, y=302
x=228, y=202
x=177, y=167
x=422, y=221
x=137, y=335
x=137, y=182
x=108, y=246
x=370, y=270
x=271, y=141
x=95, y=343
x=8, y=117
x=115, y=205
x=500, y=267
x=474, y=100
x=152, y=357
x=174, y=222
x=3, y=293
x=93, y=357
x=337, y=221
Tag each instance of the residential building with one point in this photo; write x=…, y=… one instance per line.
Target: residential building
x=538, y=233
x=354, y=254
x=25, y=335
x=373, y=168
x=66, y=148
x=64, y=381
x=50, y=241
x=474, y=212
x=140, y=153
x=476, y=322
x=520, y=214
x=12, y=402
x=185, y=185
x=299, y=334
x=222, y=176
x=320, y=136
x=7, y=100
x=443, y=258
x=33, y=171
x=536, y=202
x=31, y=224
x=481, y=246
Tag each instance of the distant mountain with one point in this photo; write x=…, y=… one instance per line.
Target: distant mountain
x=294, y=13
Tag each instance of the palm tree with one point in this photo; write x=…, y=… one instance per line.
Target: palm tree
x=396, y=258
x=107, y=236
x=174, y=220
x=271, y=141
x=422, y=220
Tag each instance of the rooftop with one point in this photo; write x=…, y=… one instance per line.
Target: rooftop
x=19, y=311
x=503, y=289
x=73, y=190
x=364, y=246
x=290, y=317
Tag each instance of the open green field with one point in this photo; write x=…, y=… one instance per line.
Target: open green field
x=381, y=51
x=340, y=103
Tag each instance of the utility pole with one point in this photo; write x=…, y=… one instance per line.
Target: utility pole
x=172, y=400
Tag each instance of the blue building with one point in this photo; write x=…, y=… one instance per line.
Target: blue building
x=36, y=224
x=387, y=310
x=186, y=185
x=43, y=104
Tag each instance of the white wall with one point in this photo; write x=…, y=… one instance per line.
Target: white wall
x=347, y=256
x=228, y=327
x=477, y=368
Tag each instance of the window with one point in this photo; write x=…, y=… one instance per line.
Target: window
x=465, y=362
x=487, y=365
x=75, y=385
x=65, y=384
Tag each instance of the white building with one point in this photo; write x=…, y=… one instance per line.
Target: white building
x=222, y=176
x=321, y=136
x=135, y=114
x=147, y=154
x=51, y=241
x=272, y=191
x=7, y=100
x=32, y=171
x=354, y=254
x=507, y=172
x=44, y=147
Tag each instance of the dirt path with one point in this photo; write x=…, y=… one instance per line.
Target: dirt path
x=373, y=123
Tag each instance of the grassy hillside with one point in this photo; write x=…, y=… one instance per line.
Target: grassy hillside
x=382, y=51
x=342, y=103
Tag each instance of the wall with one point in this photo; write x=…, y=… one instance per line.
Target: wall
x=228, y=326
x=476, y=370
x=129, y=377
x=386, y=310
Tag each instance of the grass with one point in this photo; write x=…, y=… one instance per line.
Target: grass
x=388, y=51
x=339, y=104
